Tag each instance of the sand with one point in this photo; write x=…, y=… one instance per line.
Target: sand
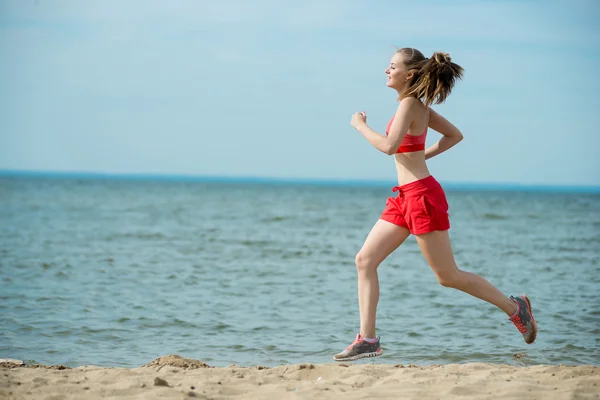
x=173, y=377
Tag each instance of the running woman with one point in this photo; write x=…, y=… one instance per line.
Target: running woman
x=420, y=207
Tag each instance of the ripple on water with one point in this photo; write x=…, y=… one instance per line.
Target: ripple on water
x=121, y=273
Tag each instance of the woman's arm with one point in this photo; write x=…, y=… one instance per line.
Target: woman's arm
x=451, y=135
x=390, y=143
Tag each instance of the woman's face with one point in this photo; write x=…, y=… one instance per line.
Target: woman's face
x=396, y=72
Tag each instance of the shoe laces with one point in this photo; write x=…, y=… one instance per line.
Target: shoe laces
x=519, y=324
x=357, y=340
x=517, y=318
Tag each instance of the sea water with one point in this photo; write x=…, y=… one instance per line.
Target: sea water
x=119, y=272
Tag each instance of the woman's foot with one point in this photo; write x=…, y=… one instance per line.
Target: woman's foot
x=360, y=348
x=523, y=318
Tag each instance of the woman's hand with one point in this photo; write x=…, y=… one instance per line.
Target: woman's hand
x=358, y=119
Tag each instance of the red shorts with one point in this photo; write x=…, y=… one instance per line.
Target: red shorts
x=420, y=206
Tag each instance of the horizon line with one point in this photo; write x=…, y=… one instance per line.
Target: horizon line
x=489, y=186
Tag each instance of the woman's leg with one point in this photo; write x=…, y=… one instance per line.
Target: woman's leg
x=383, y=239
x=437, y=251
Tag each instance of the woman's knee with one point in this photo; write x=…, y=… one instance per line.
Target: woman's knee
x=365, y=263
x=452, y=279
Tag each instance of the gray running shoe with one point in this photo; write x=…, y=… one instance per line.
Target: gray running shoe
x=523, y=318
x=360, y=348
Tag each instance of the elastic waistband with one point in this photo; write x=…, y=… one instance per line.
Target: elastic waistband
x=424, y=183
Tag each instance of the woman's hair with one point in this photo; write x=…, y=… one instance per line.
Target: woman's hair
x=434, y=77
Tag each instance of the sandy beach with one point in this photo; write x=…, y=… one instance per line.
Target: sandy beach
x=174, y=377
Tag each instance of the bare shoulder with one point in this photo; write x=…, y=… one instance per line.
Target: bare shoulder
x=411, y=102
x=409, y=105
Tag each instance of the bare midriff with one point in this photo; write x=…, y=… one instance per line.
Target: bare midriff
x=411, y=167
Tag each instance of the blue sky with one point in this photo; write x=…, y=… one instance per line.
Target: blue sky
x=266, y=88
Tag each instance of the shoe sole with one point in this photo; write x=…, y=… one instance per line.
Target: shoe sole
x=359, y=356
x=532, y=319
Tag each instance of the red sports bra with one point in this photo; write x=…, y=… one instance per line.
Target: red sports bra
x=410, y=143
